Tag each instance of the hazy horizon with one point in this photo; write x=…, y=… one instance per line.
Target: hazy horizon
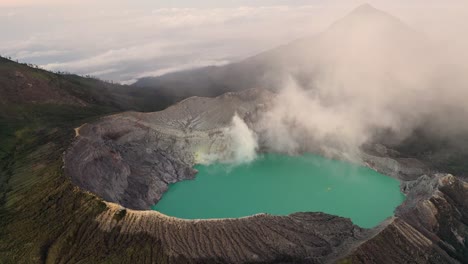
x=123, y=41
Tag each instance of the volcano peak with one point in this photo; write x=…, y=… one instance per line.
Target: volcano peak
x=365, y=9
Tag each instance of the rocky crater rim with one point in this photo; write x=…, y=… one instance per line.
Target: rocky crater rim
x=117, y=208
x=130, y=158
x=440, y=181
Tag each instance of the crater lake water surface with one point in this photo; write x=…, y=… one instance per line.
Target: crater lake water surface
x=281, y=185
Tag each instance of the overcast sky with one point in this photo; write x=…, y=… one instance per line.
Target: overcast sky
x=126, y=40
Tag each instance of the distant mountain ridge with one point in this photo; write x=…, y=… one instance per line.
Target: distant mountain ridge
x=23, y=85
x=300, y=59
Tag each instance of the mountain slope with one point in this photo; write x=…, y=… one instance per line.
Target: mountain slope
x=365, y=31
x=24, y=85
x=35, y=100
x=40, y=209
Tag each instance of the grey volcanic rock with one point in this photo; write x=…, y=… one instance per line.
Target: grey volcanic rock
x=405, y=169
x=131, y=158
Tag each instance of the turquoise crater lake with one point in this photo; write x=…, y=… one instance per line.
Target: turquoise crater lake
x=281, y=185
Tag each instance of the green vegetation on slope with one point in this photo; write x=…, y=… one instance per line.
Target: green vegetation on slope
x=38, y=204
x=44, y=218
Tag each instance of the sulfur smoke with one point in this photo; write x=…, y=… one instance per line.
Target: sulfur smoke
x=368, y=78
x=243, y=142
x=239, y=145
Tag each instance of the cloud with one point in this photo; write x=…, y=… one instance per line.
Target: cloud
x=109, y=58
x=181, y=67
x=94, y=38
x=26, y=3
x=26, y=54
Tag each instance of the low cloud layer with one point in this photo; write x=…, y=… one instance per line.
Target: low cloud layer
x=122, y=44
x=123, y=41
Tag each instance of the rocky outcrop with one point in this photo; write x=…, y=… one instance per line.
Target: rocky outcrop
x=131, y=158
x=405, y=169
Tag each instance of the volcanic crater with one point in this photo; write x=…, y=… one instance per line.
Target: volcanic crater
x=129, y=160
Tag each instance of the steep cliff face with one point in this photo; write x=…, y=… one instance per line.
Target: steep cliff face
x=130, y=159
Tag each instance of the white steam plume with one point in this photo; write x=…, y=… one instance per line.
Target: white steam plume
x=239, y=145
x=243, y=142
